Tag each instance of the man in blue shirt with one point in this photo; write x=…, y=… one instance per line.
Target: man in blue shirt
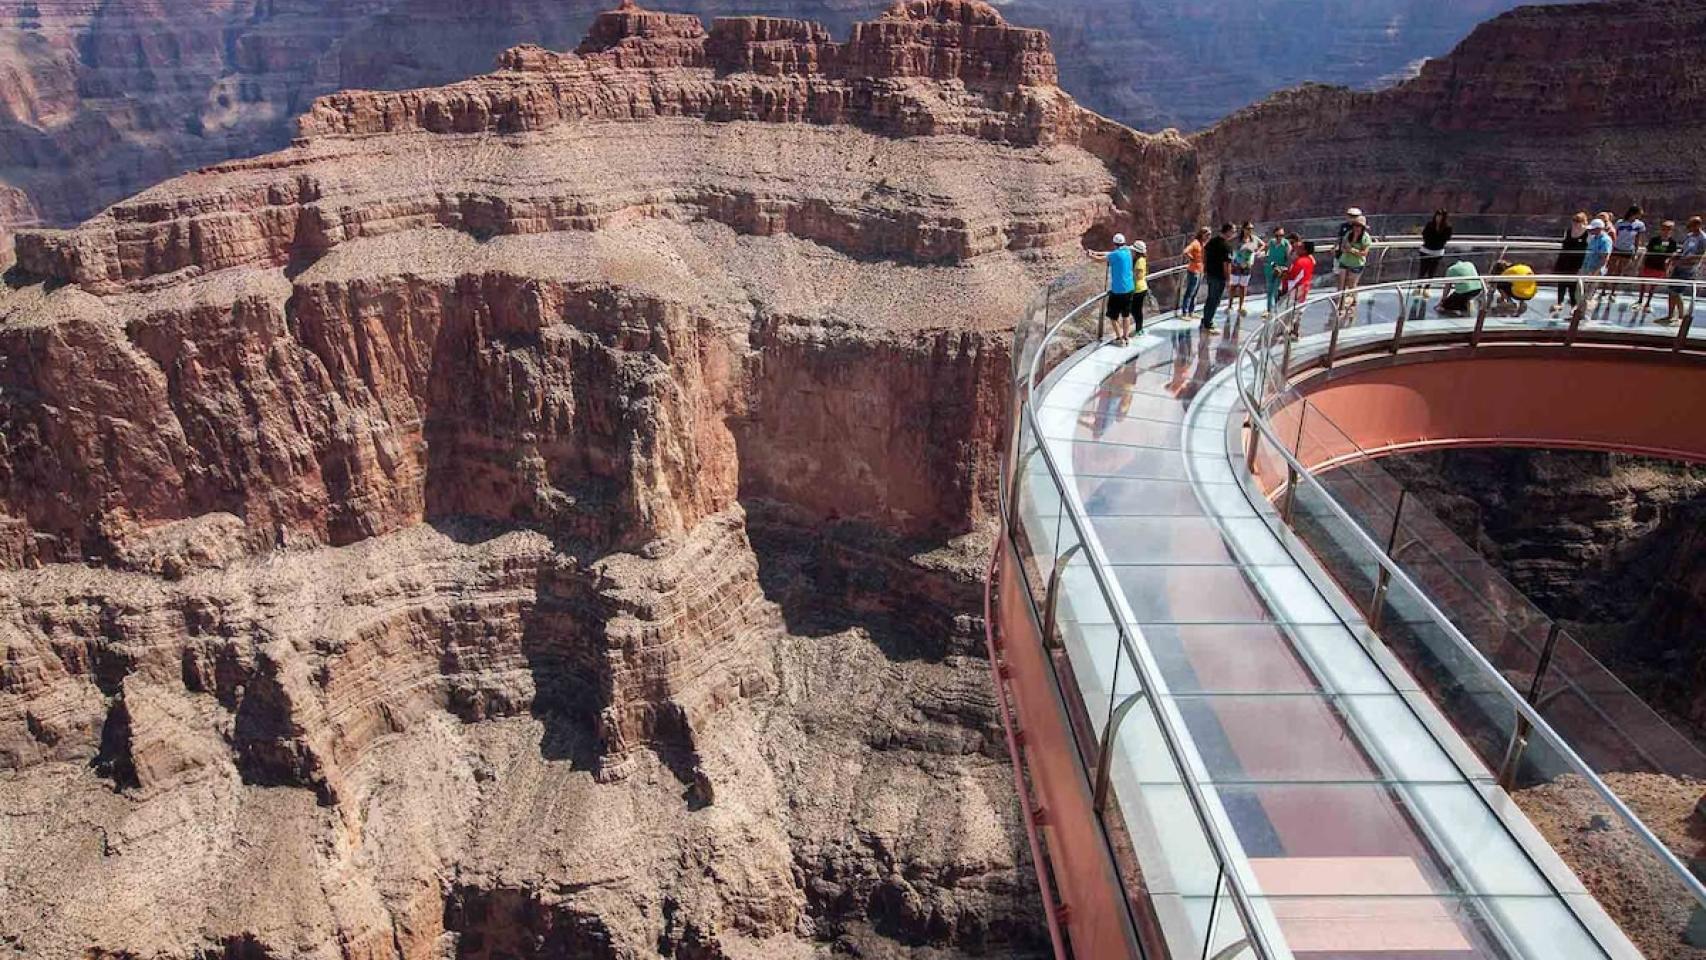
x=1127, y=285
x=1593, y=263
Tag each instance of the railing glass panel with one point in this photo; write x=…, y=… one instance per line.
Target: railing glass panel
x=1171, y=696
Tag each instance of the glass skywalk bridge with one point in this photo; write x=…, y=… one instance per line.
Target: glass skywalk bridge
x=1283, y=741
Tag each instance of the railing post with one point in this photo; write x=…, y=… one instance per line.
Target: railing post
x=1576, y=314
x=1213, y=911
x=1052, y=599
x=1404, y=304
x=1105, y=752
x=1291, y=476
x=1333, y=337
x=1383, y=580
x=1519, y=736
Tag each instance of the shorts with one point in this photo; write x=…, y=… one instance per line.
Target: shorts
x=1120, y=305
x=1681, y=289
x=1240, y=279
x=1618, y=264
x=1353, y=271
x=1652, y=273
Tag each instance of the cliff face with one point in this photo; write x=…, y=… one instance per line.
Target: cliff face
x=100, y=100
x=1613, y=546
x=1540, y=110
x=540, y=516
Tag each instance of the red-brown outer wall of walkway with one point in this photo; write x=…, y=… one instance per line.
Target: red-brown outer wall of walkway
x=1597, y=398
x=1082, y=865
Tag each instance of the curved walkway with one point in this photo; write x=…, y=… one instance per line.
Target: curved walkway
x=1360, y=821
x=1359, y=830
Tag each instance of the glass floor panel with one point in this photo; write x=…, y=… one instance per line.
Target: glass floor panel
x=1120, y=496
x=1134, y=431
x=1124, y=460
x=1257, y=658
x=1419, y=927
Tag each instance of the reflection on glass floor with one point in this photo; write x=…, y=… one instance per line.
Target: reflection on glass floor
x=1362, y=827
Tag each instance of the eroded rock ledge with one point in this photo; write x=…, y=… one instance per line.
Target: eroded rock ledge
x=558, y=539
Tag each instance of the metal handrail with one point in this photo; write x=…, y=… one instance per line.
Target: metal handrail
x=1502, y=686
x=1173, y=738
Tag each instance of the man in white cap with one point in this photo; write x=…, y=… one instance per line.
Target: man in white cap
x=1594, y=261
x=1128, y=285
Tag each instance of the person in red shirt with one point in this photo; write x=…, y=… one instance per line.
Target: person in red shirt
x=1302, y=272
x=1298, y=278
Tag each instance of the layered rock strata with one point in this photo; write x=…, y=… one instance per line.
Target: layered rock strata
x=1614, y=546
x=1544, y=109
x=100, y=100
x=540, y=516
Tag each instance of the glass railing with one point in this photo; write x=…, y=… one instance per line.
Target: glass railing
x=1163, y=814
x=1571, y=745
x=1178, y=876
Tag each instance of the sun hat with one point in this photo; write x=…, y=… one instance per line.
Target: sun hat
x=1119, y=239
x=1360, y=220
x=1354, y=212
x=1596, y=224
x=1141, y=247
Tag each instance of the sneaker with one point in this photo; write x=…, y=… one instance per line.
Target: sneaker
x=1210, y=329
x=1665, y=320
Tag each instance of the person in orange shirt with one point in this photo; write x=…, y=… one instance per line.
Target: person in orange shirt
x=1193, y=272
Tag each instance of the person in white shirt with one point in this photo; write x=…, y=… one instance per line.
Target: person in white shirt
x=1626, y=237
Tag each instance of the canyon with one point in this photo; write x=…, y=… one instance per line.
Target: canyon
x=1542, y=110
x=542, y=515
x=101, y=100
x=1610, y=545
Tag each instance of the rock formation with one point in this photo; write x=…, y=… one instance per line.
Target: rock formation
x=101, y=100
x=543, y=515
x=1614, y=546
x=1540, y=110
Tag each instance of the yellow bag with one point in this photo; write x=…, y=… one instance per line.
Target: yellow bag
x=1522, y=289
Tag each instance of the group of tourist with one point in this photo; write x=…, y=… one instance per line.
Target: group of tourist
x=1219, y=266
x=1603, y=246
x=1595, y=250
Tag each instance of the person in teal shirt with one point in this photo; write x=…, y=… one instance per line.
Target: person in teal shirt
x=1465, y=288
x=1277, y=263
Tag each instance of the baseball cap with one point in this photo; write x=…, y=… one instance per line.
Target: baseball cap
x=1119, y=239
x=1140, y=246
x=1354, y=212
x=1596, y=224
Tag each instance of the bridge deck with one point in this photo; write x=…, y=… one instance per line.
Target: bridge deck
x=1364, y=825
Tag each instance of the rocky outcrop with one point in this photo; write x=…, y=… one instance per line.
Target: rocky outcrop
x=404, y=747
x=560, y=295
x=521, y=520
x=101, y=100
x=1611, y=545
x=1540, y=110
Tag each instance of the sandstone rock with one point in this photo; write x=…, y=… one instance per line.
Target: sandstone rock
x=376, y=540
x=483, y=300
x=1544, y=109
